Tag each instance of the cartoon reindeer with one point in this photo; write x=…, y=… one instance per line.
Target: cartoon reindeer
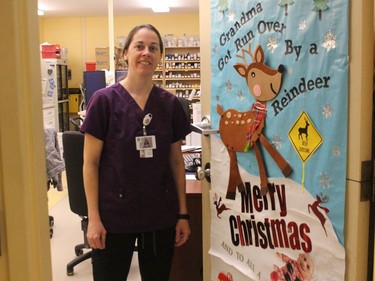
x=317, y=209
x=241, y=131
x=219, y=207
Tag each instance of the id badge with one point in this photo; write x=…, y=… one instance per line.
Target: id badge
x=145, y=145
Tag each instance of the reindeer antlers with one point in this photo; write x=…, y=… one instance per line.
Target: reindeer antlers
x=243, y=57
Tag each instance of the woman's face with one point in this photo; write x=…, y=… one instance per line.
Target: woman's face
x=144, y=53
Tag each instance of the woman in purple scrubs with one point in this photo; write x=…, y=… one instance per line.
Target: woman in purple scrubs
x=133, y=170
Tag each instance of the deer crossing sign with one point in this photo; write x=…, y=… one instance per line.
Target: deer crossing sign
x=304, y=137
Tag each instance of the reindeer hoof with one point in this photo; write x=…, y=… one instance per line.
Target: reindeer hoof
x=241, y=187
x=287, y=171
x=263, y=191
x=231, y=195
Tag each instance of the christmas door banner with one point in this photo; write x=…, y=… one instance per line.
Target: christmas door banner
x=279, y=94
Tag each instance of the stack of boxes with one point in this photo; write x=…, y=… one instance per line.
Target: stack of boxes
x=51, y=51
x=102, y=58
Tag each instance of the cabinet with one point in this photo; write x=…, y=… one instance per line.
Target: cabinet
x=187, y=262
x=49, y=117
x=55, y=93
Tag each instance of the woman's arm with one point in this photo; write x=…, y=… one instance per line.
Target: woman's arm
x=91, y=158
x=178, y=170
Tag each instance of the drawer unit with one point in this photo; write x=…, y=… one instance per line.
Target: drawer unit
x=49, y=117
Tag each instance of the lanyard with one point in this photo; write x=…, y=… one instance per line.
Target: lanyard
x=146, y=121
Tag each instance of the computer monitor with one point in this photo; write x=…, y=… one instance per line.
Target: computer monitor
x=120, y=74
x=93, y=81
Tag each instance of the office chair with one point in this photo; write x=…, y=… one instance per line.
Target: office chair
x=186, y=106
x=73, y=155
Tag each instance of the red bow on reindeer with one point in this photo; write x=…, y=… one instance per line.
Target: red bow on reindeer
x=260, y=111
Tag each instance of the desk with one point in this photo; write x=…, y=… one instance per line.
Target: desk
x=188, y=261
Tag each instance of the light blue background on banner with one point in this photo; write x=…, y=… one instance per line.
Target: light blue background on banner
x=322, y=43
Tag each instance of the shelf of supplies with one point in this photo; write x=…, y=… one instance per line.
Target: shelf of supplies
x=181, y=69
x=178, y=70
x=181, y=89
x=183, y=78
x=184, y=61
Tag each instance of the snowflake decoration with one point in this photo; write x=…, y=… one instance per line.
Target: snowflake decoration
x=327, y=111
x=272, y=44
x=336, y=151
x=276, y=141
x=214, y=49
x=228, y=86
x=231, y=16
x=329, y=41
x=324, y=197
x=302, y=25
x=223, y=6
x=324, y=180
x=240, y=95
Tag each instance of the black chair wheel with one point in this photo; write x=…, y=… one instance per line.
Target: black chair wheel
x=70, y=272
x=51, y=221
x=79, y=252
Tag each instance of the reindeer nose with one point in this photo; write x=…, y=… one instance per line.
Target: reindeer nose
x=281, y=68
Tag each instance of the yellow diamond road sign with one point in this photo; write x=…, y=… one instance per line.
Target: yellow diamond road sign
x=304, y=137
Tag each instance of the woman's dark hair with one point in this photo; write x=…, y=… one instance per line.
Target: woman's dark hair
x=132, y=32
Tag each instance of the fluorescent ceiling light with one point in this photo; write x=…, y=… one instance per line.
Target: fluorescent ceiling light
x=160, y=8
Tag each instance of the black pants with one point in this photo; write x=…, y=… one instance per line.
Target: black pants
x=155, y=253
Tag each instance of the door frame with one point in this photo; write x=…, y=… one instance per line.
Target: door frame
x=24, y=230
x=205, y=54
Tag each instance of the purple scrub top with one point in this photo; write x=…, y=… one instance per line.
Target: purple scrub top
x=135, y=194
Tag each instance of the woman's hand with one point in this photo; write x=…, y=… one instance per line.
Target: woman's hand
x=182, y=232
x=96, y=234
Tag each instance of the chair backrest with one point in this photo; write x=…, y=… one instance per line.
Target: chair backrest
x=73, y=156
x=186, y=106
